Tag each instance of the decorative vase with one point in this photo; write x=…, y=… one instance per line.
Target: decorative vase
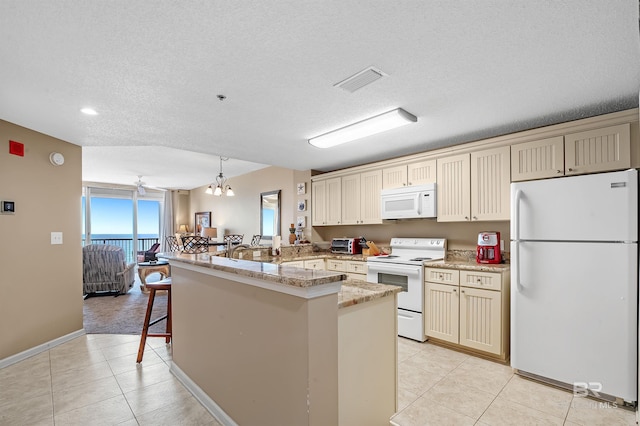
x=292, y=236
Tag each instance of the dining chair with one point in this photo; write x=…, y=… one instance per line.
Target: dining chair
x=172, y=243
x=234, y=238
x=195, y=244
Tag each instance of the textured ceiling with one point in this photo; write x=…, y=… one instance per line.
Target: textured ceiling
x=152, y=70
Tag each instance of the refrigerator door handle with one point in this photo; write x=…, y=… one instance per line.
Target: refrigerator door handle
x=518, y=197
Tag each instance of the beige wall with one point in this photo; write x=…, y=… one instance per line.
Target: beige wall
x=241, y=214
x=41, y=284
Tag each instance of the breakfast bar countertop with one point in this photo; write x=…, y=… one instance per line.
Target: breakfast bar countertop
x=279, y=274
x=355, y=292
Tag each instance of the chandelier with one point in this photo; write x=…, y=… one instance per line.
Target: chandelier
x=221, y=187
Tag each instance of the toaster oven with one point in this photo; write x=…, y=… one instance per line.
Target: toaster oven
x=346, y=245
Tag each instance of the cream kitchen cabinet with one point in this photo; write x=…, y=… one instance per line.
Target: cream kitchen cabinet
x=336, y=265
x=468, y=308
x=475, y=186
x=355, y=269
x=361, y=198
x=326, y=202
x=294, y=263
x=416, y=173
x=314, y=264
x=590, y=151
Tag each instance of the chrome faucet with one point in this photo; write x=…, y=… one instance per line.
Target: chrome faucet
x=231, y=248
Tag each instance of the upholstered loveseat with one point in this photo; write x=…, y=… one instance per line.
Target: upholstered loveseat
x=106, y=270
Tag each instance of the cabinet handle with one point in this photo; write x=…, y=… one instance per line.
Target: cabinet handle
x=475, y=218
x=466, y=218
x=571, y=170
x=478, y=280
x=454, y=290
x=410, y=184
x=461, y=291
x=560, y=171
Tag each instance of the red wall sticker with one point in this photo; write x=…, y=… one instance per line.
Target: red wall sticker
x=16, y=148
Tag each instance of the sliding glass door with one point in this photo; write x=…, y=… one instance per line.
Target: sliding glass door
x=122, y=218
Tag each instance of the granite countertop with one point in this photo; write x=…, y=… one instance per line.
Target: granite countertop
x=281, y=274
x=354, y=292
x=469, y=265
x=319, y=255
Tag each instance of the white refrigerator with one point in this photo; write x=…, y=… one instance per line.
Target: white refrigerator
x=574, y=281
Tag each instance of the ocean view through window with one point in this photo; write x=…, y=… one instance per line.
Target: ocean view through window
x=122, y=218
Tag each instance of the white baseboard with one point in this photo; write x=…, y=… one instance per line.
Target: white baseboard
x=40, y=348
x=201, y=396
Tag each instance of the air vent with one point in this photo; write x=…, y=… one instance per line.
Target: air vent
x=361, y=79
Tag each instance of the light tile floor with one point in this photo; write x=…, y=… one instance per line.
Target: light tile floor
x=94, y=380
x=438, y=386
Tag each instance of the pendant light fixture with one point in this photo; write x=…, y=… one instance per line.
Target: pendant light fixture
x=221, y=187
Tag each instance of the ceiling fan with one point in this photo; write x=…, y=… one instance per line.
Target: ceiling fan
x=140, y=188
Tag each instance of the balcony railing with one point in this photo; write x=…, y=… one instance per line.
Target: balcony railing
x=144, y=244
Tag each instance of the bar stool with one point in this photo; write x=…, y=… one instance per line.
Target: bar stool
x=153, y=287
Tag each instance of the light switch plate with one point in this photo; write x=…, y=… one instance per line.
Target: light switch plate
x=56, y=238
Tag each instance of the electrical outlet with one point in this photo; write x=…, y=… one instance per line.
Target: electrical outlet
x=501, y=245
x=56, y=238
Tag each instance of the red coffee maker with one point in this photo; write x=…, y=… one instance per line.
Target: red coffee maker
x=488, y=250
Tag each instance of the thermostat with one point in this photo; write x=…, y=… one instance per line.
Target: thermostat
x=7, y=207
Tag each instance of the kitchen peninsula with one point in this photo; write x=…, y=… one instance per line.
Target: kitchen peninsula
x=261, y=343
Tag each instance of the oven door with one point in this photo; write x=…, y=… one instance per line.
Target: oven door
x=409, y=277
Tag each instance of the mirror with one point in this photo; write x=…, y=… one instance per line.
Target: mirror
x=269, y=214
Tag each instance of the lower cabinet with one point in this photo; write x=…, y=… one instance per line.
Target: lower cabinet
x=468, y=308
x=294, y=263
x=314, y=264
x=355, y=269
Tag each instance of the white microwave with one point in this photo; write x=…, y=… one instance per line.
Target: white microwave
x=409, y=202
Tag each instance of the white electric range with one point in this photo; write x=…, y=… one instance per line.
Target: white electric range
x=404, y=267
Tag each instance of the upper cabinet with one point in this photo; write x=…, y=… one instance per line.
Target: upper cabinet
x=326, y=202
x=361, y=198
x=415, y=173
x=474, y=187
x=590, y=151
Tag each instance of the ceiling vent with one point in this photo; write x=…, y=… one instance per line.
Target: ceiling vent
x=361, y=79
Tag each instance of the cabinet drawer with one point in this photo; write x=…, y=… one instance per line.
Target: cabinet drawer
x=359, y=277
x=314, y=264
x=356, y=267
x=485, y=280
x=443, y=276
x=294, y=263
x=336, y=265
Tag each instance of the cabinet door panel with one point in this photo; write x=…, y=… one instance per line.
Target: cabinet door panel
x=441, y=312
x=537, y=159
x=351, y=199
x=598, y=150
x=370, y=187
x=314, y=264
x=453, y=188
x=318, y=203
x=394, y=177
x=480, y=320
x=421, y=172
x=490, y=184
x=334, y=201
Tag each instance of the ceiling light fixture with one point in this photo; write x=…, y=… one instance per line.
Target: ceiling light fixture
x=88, y=111
x=139, y=186
x=220, y=188
x=370, y=126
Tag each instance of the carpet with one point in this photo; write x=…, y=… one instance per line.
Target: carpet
x=124, y=314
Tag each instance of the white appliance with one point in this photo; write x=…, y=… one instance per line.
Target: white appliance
x=409, y=202
x=574, y=282
x=404, y=267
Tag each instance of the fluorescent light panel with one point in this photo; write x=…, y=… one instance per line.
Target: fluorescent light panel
x=377, y=124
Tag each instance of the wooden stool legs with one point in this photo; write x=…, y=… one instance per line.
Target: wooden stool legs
x=162, y=285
